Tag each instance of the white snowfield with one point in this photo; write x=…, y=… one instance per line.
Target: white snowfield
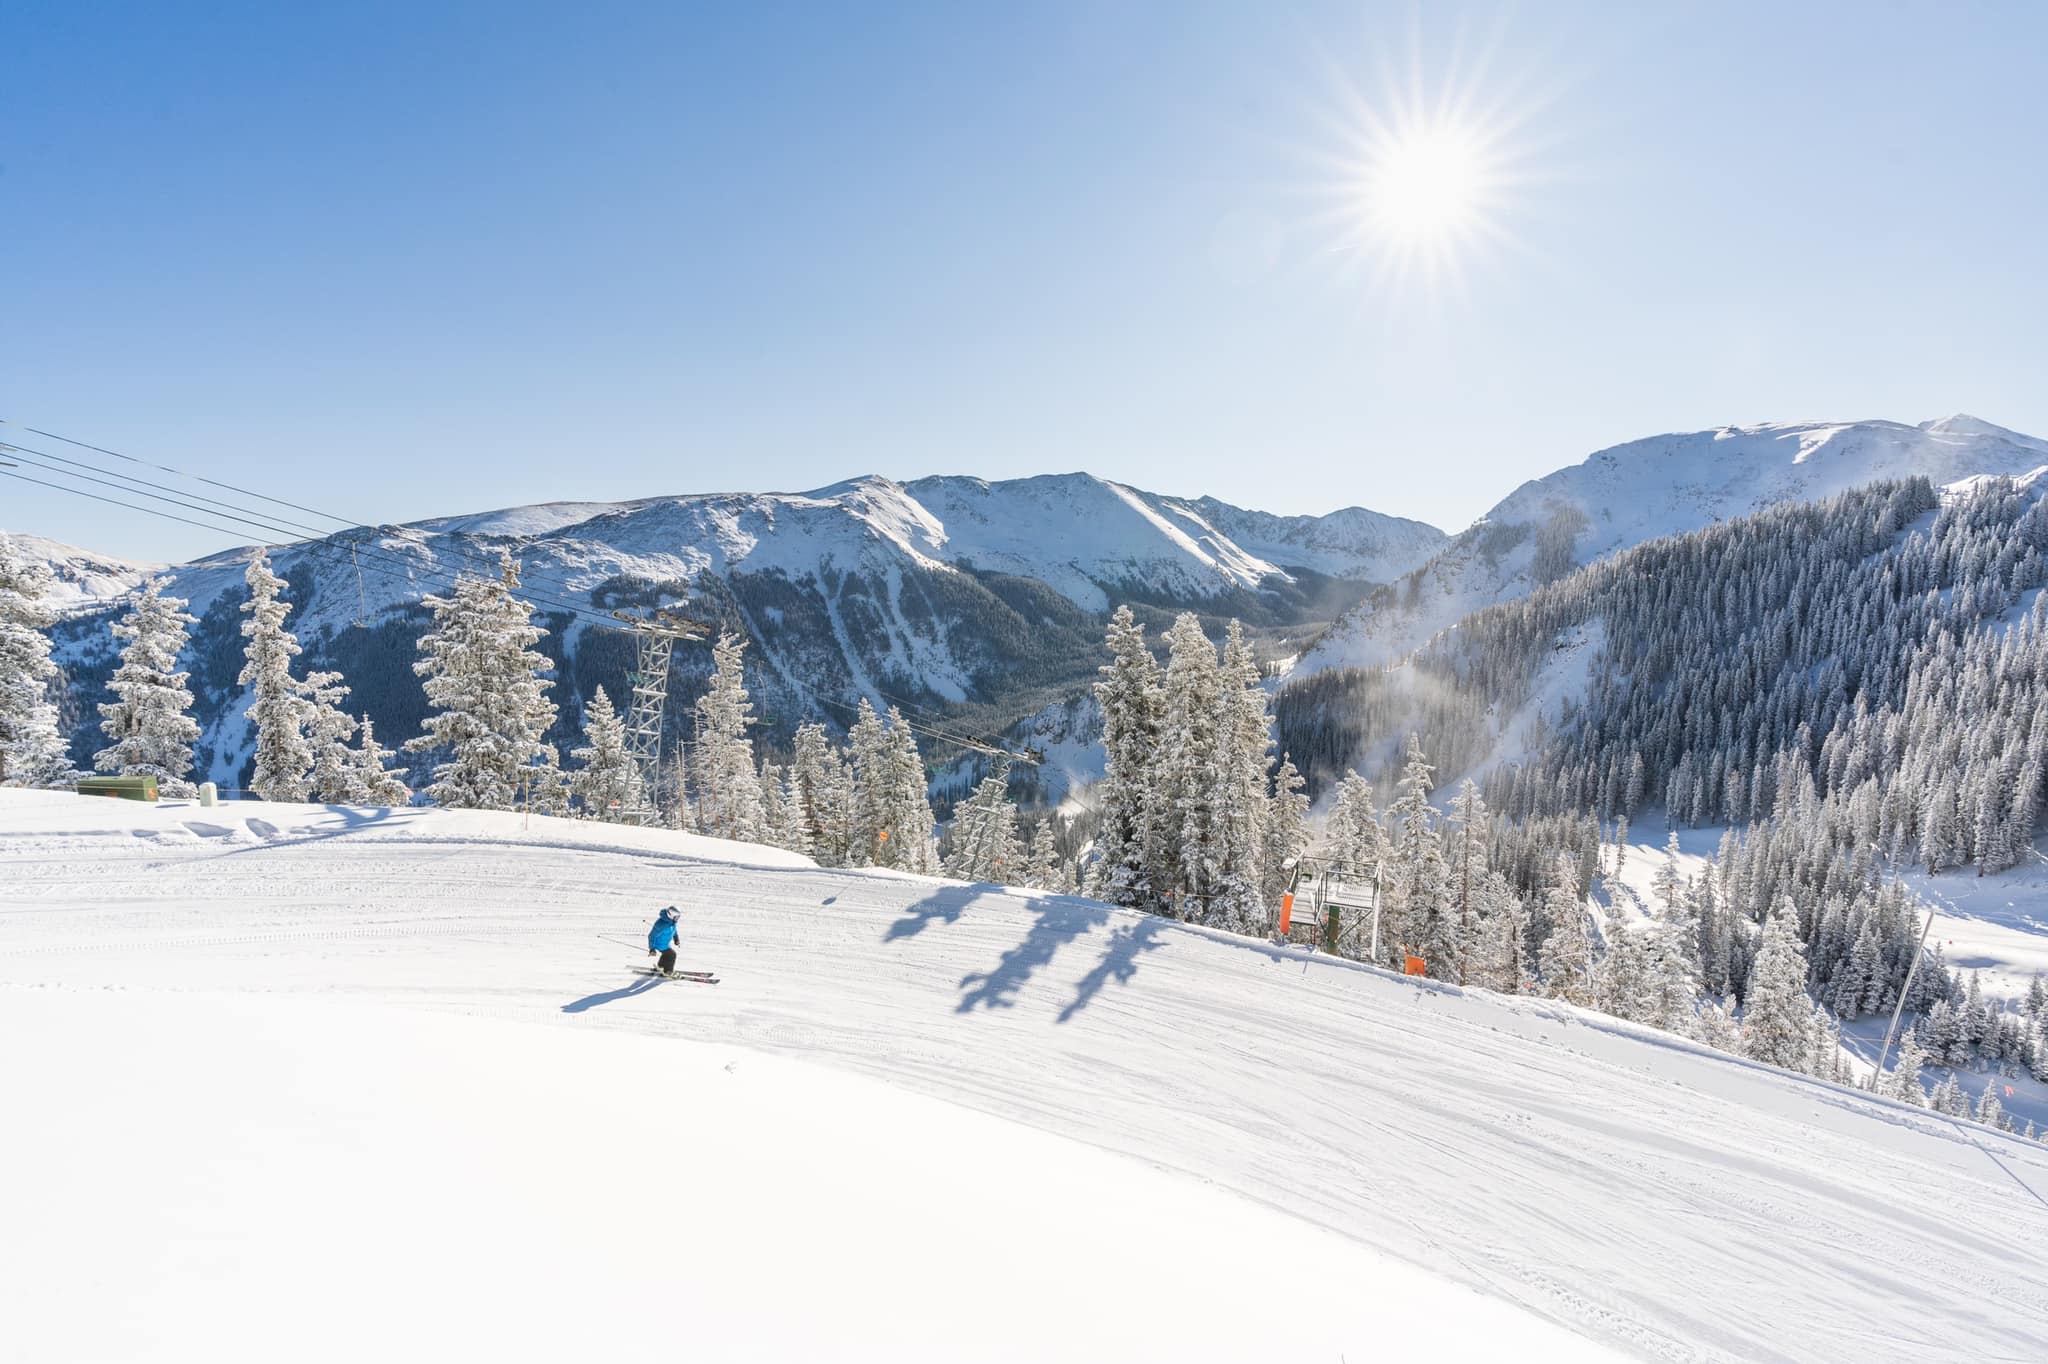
x=300, y=1082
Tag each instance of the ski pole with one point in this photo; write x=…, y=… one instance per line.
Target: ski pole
x=621, y=942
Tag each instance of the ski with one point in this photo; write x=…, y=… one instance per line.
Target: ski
x=695, y=977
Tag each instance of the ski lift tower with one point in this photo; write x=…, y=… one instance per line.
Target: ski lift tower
x=655, y=636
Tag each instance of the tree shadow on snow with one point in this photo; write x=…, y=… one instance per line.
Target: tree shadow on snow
x=1059, y=922
x=638, y=987
x=1056, y=921
x=354, y=819
x=942, y=906
x=1119, y=963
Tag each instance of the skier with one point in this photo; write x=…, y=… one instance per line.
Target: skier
x=662, y=939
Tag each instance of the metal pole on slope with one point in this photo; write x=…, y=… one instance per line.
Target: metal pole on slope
x=1905, y=987
x=1379, y=867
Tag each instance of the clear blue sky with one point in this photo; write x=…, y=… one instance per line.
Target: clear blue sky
x=409, y=259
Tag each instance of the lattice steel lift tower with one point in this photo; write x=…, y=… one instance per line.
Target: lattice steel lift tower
x=655, y=637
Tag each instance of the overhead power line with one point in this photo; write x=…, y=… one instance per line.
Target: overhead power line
x=152, y=511
x=392, y=567
x=145, y=483
x=165, y=468
x=341, y=522
x=28, y=457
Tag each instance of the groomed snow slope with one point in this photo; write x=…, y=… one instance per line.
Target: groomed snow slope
x=258, y=1118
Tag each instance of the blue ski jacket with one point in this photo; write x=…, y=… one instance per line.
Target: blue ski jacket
x=661, y=935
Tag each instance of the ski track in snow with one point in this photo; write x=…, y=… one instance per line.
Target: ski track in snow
x=1662, y=1200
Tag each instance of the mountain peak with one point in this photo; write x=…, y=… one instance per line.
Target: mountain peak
x=1663, y=485
x=1963, y=424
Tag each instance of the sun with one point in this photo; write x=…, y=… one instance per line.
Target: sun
x=1428, y=184
x=1423, y=172
x=1422, y=197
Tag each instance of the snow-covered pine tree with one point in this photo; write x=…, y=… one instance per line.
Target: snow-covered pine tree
x=548, y=786
x=1495, y=957
x=1904, y=1081
x=1129, y=696
x=1622, y=979
x=1665, y=885
x=375, y=782
x=1976, y=1012
x=1824, y=1054
x=1467, y=858
x=1566, y=956
x=1715, y=1025
x=835, y=807
x=1190, y=767
x=796, y=827
x=774, y=814
x=1287, y=831
x=1946, y=1044
x=1244, y=738
x=279, y=709
x=1420, y=917
x=1941, y=834
x=1776, y=1011
x=1353, y=833
x=607, y=781
x=912, y=824
x=328, y=730
x=32, y=751
x=873, y=763
x=485, y=683
x=814, y=797
x=1672, y=983
x=149, y=729
x=1852, y=982
x=1043, y=869
x=672, y=793
x=728, y=787
x=1990, y=1111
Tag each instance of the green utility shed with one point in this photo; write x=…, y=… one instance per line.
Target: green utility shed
x=121, y=788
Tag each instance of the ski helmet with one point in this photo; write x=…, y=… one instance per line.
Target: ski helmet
x=669, y=913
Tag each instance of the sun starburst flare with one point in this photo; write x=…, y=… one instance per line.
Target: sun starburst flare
x=1421, y=179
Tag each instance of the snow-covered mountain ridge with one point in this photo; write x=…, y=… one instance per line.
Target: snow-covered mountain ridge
x=81, y=577
x=944, y=590
x=1647, y=489
x=1079, y=533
